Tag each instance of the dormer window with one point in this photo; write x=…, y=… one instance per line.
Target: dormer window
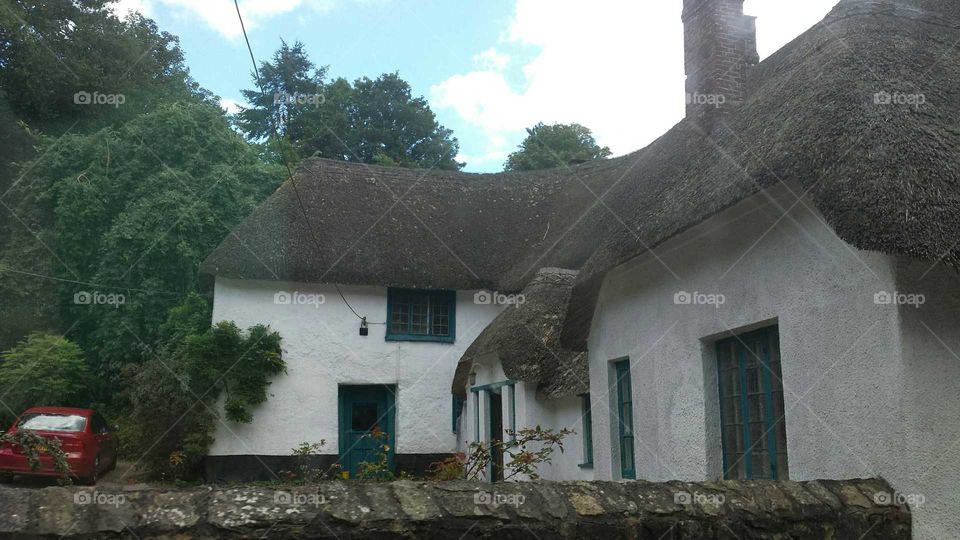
x=421, y=315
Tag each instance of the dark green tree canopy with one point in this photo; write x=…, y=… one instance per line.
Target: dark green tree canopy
x=51, y=51
x=554, y=146
x=132, y=210
x=371, y=121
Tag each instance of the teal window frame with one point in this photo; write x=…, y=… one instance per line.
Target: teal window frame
x=457, y=404
x=624, y=410
x=760, y=376
x=586, y=419
x=512, y=395
x=449, y=298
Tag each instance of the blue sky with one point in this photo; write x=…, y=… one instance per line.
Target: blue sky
x=489, y=68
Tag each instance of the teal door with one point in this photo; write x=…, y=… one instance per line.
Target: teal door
x=365, y=410
x=624, y=395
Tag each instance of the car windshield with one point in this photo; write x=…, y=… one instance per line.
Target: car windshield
x=53, y=422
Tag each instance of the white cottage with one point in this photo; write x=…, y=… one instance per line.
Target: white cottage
x=769, y=290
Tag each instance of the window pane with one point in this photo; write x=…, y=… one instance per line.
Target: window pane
x=419, y=314
x=441, y=318
x=400, y=314
x=363, y=416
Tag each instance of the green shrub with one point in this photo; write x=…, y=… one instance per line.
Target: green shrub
x=175, y=394
x=42, y=370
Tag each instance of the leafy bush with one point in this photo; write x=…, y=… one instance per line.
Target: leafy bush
x=451, y=468
x=34, y=445
x=175, y=394
x=522, y=459
x=42, y=370
x=307, y=470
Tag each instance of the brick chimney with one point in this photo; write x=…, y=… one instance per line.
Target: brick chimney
x=720, y=43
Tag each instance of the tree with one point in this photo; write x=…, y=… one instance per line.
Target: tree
x=554, y=146
x=123, y=217
x=174, y=395
x=50, y=51
x=371, y=121
x=42, y=370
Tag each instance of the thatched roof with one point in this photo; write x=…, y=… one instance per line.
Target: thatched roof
x=886, y=177
x=412, y=228
x=526, y=339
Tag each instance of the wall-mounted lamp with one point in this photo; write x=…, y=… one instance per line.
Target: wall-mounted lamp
x=473, y=378
x=363, y=326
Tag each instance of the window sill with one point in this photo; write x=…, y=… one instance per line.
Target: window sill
x=414, y=337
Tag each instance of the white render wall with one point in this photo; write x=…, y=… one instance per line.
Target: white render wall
x=869, y=391
x=531, y=411
x=323, y=349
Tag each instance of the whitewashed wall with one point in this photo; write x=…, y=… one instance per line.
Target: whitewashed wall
x=323, y=349
x=864, y=394
x=531, y=411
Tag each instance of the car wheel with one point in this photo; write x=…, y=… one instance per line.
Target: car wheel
x=94, y=474
x=6, y=478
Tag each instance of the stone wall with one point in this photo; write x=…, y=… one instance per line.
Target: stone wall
x=406, y=509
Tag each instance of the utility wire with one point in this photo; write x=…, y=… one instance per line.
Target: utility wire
x=97, y=285
x=283, y=157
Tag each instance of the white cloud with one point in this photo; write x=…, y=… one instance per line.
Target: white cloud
x=221, y=15
x=232, y=106
x=615, y=66
x=122, y=7
x=492, y=59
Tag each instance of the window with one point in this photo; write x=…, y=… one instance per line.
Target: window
x=457, y=410
x=624, y=411
x=587, y=420
x=753, y=433
x=52, y=422
x=420, y=315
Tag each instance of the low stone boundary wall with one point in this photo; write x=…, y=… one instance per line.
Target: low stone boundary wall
x=411, y=509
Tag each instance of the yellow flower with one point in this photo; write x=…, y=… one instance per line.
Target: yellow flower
x=345, y=475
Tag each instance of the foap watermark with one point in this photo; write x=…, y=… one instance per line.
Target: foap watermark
x=299, y=99
x=685, y=498
x=887, y=498
x=711, y=100
x=495, y=298
x=96, y=98
x=914, y=100
x=97, y=298
x=297, y=298
x=87, y=497
x=697, y=298
x=886, y=298
x=289, y=498
x=492, y=498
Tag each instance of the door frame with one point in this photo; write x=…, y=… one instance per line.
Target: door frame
x=390, y=417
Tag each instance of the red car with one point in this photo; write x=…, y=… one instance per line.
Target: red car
x=89, y=442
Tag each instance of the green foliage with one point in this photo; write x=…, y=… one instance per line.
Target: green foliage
x=451, y=468
x=555, y=146
x=134, y=210
x=379, y=468
x=526, y=449
x=51, y=50
x=174, y=395
x=42, y=370
x=372, y=121
x=34, y=446
x=307, y=472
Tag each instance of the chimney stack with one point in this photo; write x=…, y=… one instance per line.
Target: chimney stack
x=720, y=43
